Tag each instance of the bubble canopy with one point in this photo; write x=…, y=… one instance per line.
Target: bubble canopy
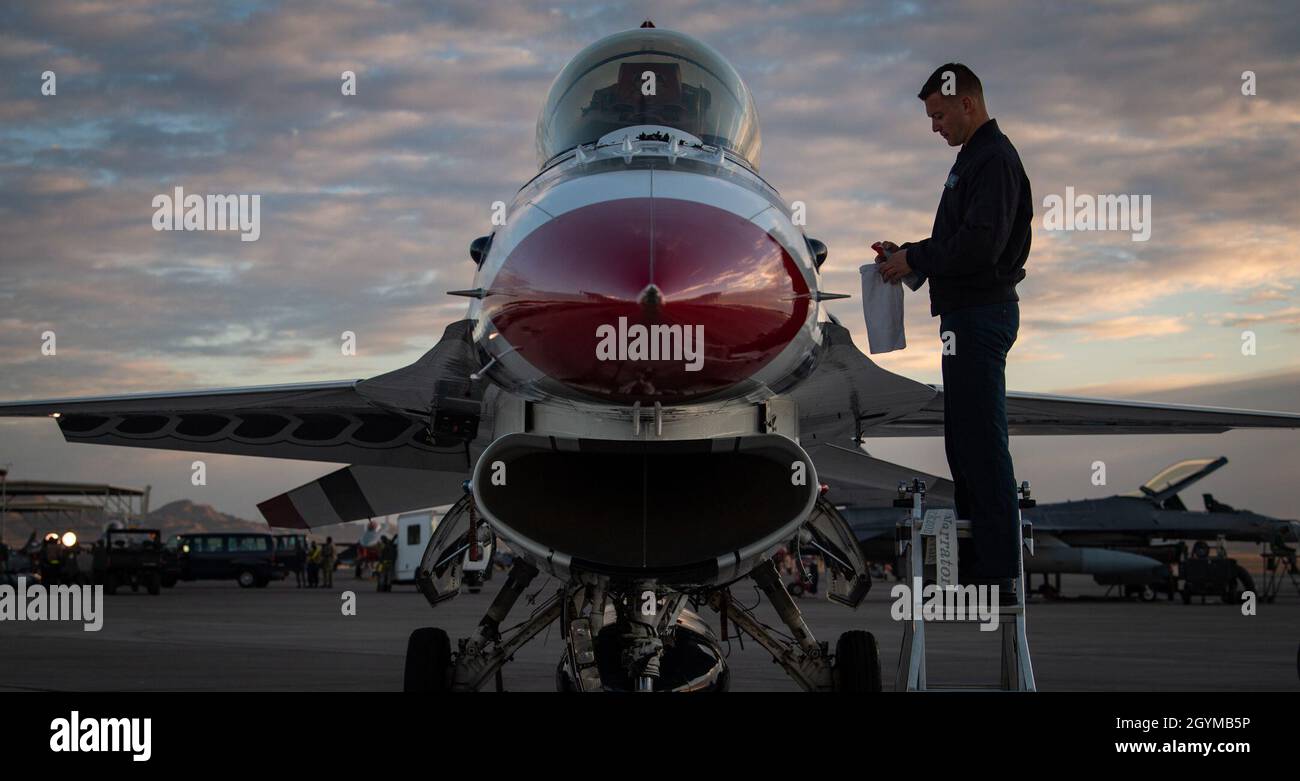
x=603, y=87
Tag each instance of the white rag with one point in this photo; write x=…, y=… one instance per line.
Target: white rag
x=882, y=304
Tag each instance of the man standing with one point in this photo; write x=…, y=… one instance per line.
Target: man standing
x=973, y=260
x=313, y=565
x=300, y=560
x=327, y=562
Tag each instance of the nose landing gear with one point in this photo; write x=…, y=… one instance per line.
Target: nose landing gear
x=638, y=634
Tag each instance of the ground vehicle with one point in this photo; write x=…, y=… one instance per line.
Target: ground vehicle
x=55, y=562
x=1209, y=572
x=171, y=565
x=291, y=552
x=411, y=540
x=129, y=557
x=247, y=557
x=413, y=531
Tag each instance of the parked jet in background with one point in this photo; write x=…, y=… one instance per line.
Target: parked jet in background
x=1127, y=540
x=645, y=481
x=363, y=554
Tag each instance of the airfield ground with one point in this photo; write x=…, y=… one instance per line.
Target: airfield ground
x=216, y=636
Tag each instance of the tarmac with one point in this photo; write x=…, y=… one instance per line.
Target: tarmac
x=211, y=636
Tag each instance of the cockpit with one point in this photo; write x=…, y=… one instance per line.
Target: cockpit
x=648, y=77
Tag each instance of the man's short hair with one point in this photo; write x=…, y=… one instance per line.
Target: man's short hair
x=967, y=82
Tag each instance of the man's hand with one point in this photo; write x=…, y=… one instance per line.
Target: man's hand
x=894, y=267
x=891, y=262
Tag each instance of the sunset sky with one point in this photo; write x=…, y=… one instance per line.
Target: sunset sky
x=369, y=202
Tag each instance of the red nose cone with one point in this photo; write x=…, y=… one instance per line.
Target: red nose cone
x=611, y=299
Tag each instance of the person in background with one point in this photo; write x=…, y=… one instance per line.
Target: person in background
x=387, y=561
x=51, y=560
x=313, y=565
x=328, y=558
x=299, y=562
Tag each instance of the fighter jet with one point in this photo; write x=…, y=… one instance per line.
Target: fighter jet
x=1132, y=538
x=1129, y=540
x=364, y=553
x=634, y=402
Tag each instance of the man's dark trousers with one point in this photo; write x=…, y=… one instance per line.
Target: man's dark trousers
x=975, y=434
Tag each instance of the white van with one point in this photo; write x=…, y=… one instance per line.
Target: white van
x=414, y=529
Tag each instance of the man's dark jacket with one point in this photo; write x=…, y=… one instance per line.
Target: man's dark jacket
x=977, y=249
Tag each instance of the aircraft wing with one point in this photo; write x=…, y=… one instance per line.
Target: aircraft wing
x=848, y=397
x=847, y=393
x=863, y=488
x=858, y=479
x=360, y=492
x=383, y=421
x=1044, y=414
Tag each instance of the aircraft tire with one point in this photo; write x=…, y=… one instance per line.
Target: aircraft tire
x=428, y=659
x=857, y=663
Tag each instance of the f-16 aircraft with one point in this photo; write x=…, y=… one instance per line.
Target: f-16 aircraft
x=637, y=401
x=364, y=553
x=1127, y=540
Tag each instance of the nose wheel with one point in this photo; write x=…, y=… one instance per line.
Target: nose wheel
x=857, y=663
x=428, y=661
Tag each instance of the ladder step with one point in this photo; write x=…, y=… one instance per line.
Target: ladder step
x=1004, y=614
x=1016, y=669
x=957, y=687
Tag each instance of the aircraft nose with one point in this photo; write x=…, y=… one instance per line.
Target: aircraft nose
x=648, y=299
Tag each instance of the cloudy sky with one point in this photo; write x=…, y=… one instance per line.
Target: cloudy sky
x=369, y=201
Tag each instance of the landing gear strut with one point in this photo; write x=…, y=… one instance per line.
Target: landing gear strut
x=637, y=633
x=480, y=656
x=857, y=660
x=643, y=645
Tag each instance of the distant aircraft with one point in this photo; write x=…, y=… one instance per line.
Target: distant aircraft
x=364, y=553
x=640, y=395
x=1127, y=540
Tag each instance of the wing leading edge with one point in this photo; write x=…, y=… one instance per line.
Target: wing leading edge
x=849, y=397
x=384, y=421
x=1048, y=414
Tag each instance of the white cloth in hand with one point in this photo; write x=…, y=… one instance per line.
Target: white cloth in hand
x=882, y=305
